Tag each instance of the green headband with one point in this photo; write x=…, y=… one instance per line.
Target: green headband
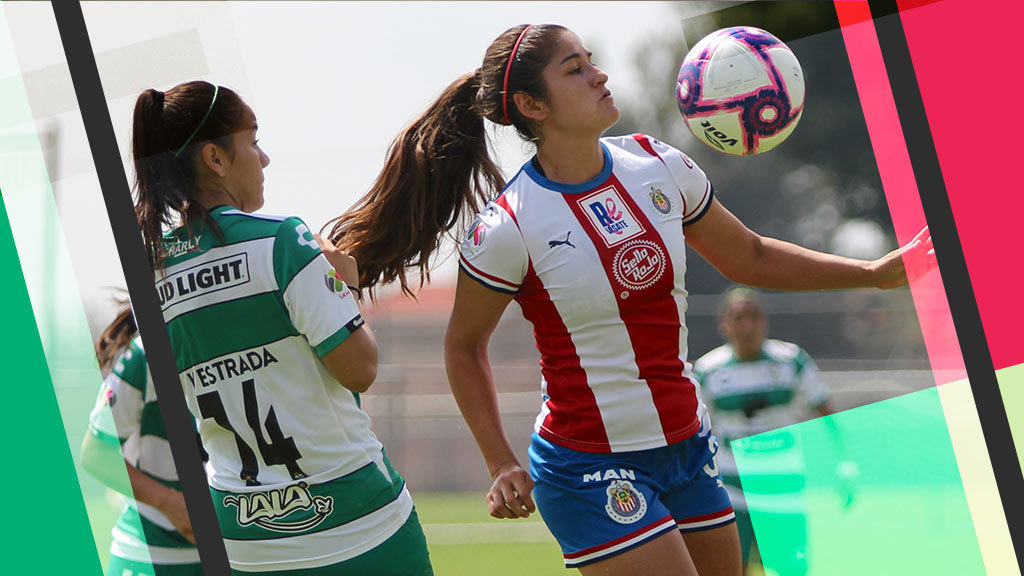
x=216, y=89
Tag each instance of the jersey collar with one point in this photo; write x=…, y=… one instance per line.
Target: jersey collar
x=572, y=188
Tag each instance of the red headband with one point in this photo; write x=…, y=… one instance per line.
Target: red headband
x=504, y=85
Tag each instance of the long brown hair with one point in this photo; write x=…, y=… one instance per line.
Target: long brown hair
x=168, y=130
x=438, y=171
x=116, y=337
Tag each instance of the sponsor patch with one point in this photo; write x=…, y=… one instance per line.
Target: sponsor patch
x=269, y=509
x=626, y=504
x=609, y=214
x=202, y=279
x=639, y=264
x=301, y=230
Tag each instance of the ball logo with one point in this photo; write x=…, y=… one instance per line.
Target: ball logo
x=639, y=264
x=626, y=504
x=610, y=215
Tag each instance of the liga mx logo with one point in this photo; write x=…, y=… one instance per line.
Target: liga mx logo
x=475, y=237
x=626, y=504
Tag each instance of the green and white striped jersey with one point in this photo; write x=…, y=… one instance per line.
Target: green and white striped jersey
x=127, y=413
x=298, y=478
x=761, y=396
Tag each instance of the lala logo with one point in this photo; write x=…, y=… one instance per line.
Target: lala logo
x=266, y=509
x=639, y=264
x=611, y=216
x=625, y=504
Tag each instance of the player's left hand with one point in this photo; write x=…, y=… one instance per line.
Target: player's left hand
x=173, y=506
x=509, y=496
x=905, y=264
x=344, y=265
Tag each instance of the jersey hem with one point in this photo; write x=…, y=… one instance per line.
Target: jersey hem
x=707, y=206
x=472, y=273
x=334, y=340
x=632, y=446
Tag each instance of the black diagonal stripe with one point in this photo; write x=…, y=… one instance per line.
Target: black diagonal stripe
x=953, y=267
x=116, y=196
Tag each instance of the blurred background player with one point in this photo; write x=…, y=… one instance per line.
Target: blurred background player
x=753, y=385
x=126, y=429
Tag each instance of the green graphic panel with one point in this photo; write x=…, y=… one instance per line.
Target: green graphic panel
x=1011, y=384
x=39, y=267
x=41, y=481
x=908, y=513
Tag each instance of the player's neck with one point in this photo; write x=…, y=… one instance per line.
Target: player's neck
x=746, y=355
x=568, y=160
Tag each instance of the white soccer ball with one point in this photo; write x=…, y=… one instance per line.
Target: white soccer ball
x=741, y=90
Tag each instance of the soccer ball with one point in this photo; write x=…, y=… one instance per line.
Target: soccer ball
x=741, y=91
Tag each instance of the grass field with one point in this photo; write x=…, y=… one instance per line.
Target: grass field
x=463, y=539
x=887, y=531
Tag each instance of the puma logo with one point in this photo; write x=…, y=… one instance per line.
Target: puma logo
x=553, y=243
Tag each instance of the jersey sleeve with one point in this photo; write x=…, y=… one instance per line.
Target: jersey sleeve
x=320, y=305
x=493, y=252
x=118, y=410
x=812, y=386
x=693, y=183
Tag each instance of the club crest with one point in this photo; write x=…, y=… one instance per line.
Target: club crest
x=626, y=504
x=660, y=201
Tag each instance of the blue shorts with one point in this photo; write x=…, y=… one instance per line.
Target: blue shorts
x=598, y=505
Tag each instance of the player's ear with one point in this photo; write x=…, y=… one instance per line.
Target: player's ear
x=530, y=107
x=214, y=158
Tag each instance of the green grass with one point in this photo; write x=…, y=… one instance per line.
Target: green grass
x=888, y=524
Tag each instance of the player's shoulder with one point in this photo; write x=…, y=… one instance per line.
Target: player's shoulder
x=240, y=226
x=495, y=225
x=130, y=365
x=782, y=351
x=637, y=144
x=715, y=358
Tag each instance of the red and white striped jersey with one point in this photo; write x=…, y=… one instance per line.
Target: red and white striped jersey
x=598, y=269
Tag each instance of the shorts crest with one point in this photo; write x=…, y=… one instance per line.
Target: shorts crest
x=626, y=504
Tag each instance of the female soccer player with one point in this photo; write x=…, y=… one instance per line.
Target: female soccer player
x=588, y=238
x=271, y=350
x=125, y=428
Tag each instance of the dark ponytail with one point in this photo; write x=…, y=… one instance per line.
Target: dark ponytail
x=168, y=130
x=116, y=337
x=437, y=171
